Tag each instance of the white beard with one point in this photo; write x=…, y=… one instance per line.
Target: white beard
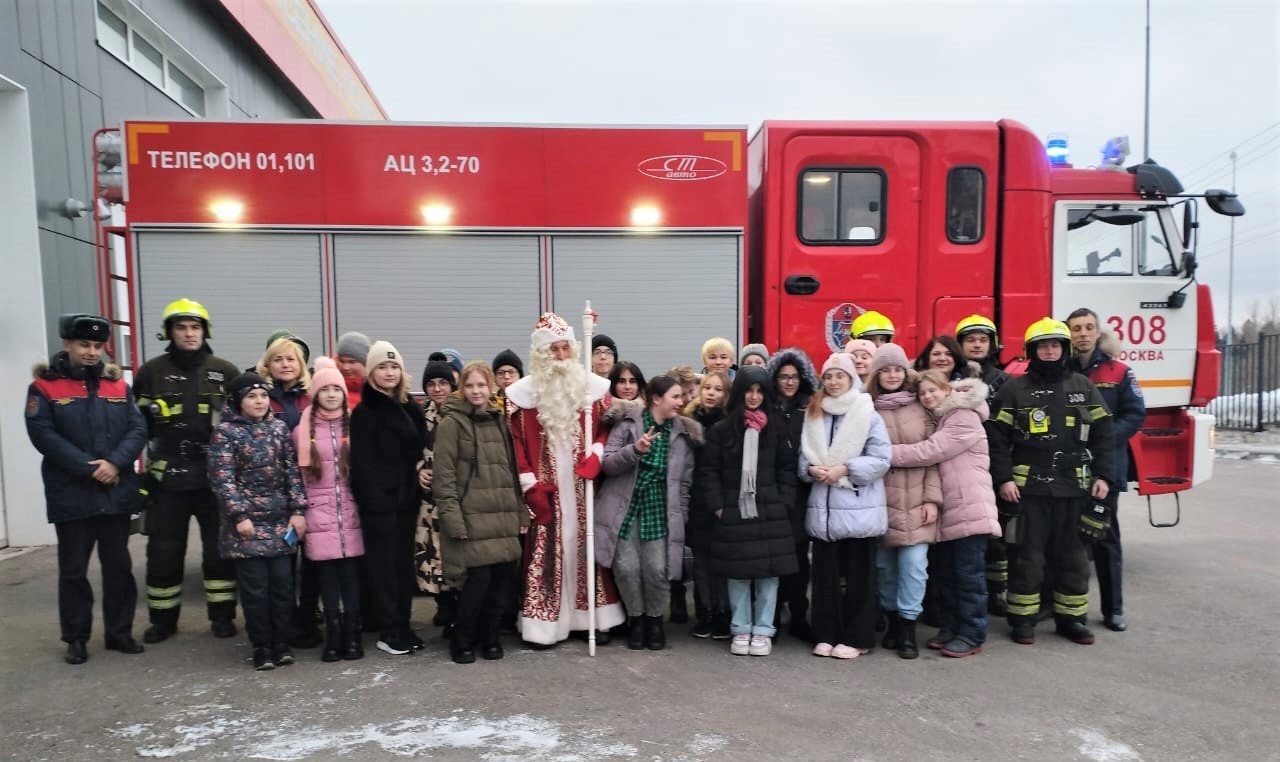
x=559, y=389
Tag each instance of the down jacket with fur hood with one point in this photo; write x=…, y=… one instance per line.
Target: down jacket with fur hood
x=620, y=467
x=850, y=433
x=791, y=411
x=908, y=489
x=959, y=449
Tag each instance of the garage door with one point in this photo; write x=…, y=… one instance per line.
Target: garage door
x=478, y=294
x=658, y=297
x=251, y=283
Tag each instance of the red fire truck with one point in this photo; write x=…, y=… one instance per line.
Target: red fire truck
x=459, y=235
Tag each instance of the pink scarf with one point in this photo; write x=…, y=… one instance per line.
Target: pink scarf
x=303, y=436
x=756, y=419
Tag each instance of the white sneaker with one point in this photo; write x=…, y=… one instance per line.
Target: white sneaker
x=395, y=649
x=761, y=645
x=740, y=645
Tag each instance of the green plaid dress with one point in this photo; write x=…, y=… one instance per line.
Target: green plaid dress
x=648, y=507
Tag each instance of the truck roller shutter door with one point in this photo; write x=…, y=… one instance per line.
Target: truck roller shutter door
x=251, y=283
x=659, y=297
x=477, y=294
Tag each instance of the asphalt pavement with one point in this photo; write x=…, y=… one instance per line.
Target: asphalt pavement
x=1194, y=678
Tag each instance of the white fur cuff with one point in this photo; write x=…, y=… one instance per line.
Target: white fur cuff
x=527, y=480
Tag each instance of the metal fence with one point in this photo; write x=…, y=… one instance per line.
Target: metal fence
x=1249, y=390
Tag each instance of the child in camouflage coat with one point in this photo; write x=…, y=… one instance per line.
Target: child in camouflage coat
x=253, y=469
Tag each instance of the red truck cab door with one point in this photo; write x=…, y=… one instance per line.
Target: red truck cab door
x=847, y=238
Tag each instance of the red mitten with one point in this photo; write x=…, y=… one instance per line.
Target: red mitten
x=541, y=501
x=588, y=467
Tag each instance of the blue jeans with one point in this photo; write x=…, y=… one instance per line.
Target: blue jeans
x=904, y=571
x=749, y=620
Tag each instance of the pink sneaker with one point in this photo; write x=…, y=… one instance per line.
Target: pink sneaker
x=740, y=645
x=822, y=649
x=761, y=645
x=846, y=652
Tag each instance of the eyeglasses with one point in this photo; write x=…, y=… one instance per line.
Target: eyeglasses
x=602, y=352
x=507, y=372
x=784, y=378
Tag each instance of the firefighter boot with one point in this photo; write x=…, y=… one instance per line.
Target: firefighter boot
x=907, y=648
x=1075, y=631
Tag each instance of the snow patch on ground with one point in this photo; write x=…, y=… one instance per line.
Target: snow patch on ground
x=1099, y=748
x=221, y=732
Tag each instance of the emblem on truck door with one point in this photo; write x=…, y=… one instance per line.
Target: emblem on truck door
x=682, y=167
x=839, y=320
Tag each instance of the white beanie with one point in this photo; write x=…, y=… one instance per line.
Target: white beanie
x=380, y=352
x=840, y=361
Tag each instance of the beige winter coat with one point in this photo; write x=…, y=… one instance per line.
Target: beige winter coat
x=907, y=489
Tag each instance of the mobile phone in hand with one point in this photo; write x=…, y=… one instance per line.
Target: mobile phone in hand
x=291, y=537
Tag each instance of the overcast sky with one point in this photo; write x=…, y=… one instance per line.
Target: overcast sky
x=1073, y=66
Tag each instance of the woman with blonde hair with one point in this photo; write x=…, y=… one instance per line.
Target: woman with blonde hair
x=284, y=366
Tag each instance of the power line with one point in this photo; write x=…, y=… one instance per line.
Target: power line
x=1226, y=154
x=1217, y=172
x=1215, y=251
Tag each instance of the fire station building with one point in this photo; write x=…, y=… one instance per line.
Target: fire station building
x=71, y=67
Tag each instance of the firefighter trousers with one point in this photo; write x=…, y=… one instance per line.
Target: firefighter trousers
x=1108, y=562
x=1048, y=541
x=168, y=522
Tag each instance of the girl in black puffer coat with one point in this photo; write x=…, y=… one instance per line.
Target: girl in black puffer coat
x=388, y=433
x=747, y=478
x=710, y=592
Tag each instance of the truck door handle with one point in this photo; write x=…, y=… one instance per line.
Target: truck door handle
x=801, y=285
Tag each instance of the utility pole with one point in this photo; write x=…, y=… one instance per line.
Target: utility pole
x=1231, y=262
x=1146, y=95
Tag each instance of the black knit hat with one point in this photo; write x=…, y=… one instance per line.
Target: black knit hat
x=601, y=340
x=438, y=369
x=507, y=357
x=242, y=385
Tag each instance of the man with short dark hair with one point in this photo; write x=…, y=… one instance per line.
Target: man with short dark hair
x=1095, y=353
x=81, y=417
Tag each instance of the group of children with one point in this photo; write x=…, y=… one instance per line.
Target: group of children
x=779, y=480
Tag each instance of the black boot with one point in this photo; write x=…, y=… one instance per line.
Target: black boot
x=446, y=609
x=332, y=639
x=679, y=603
x=460, y=649
x=353, y=644
x=893, y=630
x=655, y=637
x=798, y=627
x=907, y=639
x=635, y=633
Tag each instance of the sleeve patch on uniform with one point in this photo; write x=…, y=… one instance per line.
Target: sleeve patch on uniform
x=33, y=406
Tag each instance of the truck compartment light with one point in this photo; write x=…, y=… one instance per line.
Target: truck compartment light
x=437, y=214
x=1115, y=152
x=1058, y=150
x=645, y=216
x=228, y=210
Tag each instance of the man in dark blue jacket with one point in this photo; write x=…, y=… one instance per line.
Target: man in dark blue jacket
x=82, y=418
x=1095, y=354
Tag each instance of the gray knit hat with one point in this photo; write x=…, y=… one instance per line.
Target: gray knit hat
x=354, y=345
x=759, y=350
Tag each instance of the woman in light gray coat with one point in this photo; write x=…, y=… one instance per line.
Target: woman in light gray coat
x=642, y=505
x=844, y=452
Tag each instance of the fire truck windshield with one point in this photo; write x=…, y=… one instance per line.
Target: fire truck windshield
x=1117, y=241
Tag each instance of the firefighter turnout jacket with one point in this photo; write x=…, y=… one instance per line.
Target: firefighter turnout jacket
x=1052, y=438
x=182, y=402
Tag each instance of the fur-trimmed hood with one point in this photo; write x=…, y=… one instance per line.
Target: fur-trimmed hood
x=1109, y=344
x=623, y=408
x=110, y=371
x=797, y=357
x=967, y=394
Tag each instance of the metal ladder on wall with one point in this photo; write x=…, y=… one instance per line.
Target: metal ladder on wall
x=114, y=252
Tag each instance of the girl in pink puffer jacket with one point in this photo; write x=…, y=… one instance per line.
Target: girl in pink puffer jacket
x=334, y=540
x=968, y=518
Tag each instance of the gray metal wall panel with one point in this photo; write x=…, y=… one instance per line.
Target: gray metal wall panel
x=478, y=294
x=251, y=283
x=70, y=283
x=48, y=21
x=88, y=72
x=659, y=297
x=29, y=27
x=65, y=34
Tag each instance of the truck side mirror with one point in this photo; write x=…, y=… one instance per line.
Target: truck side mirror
x=1224, y=202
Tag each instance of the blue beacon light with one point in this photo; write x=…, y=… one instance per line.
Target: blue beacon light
x=1057, y=148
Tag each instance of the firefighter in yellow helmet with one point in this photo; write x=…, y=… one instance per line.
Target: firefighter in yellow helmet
x=180, y=392
x=873, y=327
x=1052, y=457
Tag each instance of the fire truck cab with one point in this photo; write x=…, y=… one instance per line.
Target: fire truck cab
x=928, y=222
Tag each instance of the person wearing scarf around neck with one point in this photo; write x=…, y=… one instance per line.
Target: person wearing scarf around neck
x=747, y=476
x=642, y=506
x=844, y=452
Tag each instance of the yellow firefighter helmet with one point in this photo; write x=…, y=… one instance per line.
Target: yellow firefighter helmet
x=870, y=323
x=1046, y=328
x=975, y=322
x=186, y=308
